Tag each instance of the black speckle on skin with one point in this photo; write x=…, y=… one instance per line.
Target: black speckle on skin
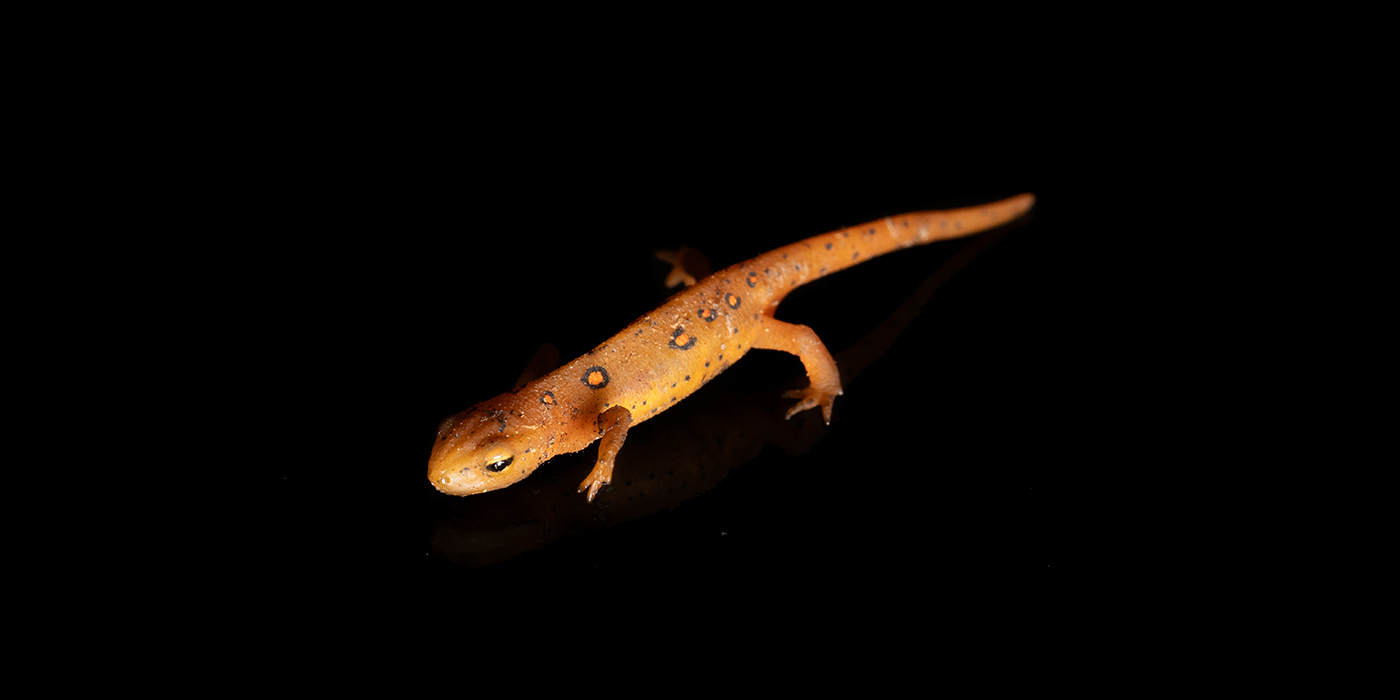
x=828, y=246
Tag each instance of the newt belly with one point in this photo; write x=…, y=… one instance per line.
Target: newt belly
x=667, y=354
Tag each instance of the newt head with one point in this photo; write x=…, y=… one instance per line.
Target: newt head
x=485, y=448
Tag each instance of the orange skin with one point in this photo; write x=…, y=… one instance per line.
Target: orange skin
x=666, y=355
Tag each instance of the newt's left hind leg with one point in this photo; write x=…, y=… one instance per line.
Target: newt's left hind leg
x=824, y=380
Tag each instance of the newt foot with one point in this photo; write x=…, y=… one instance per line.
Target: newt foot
x=812, y=397
x=597, y=479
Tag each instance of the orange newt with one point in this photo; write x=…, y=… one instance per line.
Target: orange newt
x=667, y=354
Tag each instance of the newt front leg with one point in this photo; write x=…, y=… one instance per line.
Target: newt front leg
x=612, y=425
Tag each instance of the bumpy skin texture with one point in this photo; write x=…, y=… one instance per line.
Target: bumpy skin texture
x=666, y=355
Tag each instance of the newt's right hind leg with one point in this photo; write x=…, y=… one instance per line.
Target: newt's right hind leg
x=824, y=380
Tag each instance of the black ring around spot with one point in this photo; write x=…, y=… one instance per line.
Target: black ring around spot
x=733, y=300
x=689, y=343
x=591, y=370
x=550, y=396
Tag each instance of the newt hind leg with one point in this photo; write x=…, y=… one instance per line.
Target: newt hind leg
x=824, y=380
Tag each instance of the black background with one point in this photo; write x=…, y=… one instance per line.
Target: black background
x=406, y=280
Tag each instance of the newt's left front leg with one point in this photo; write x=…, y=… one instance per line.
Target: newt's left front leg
x=613, y=425
x=824, y=380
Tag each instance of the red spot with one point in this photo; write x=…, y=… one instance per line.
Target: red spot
x=680, y=340
x=595, y=377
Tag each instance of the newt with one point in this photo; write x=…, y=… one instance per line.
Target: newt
x=669, y=353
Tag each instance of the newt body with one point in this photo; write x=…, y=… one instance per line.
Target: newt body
x=669, y=353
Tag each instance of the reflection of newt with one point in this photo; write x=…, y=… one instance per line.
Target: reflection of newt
x=666, y=355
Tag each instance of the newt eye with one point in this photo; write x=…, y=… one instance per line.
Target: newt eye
x=499, y=465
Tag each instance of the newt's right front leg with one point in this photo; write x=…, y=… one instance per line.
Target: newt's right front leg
x=613, y=425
